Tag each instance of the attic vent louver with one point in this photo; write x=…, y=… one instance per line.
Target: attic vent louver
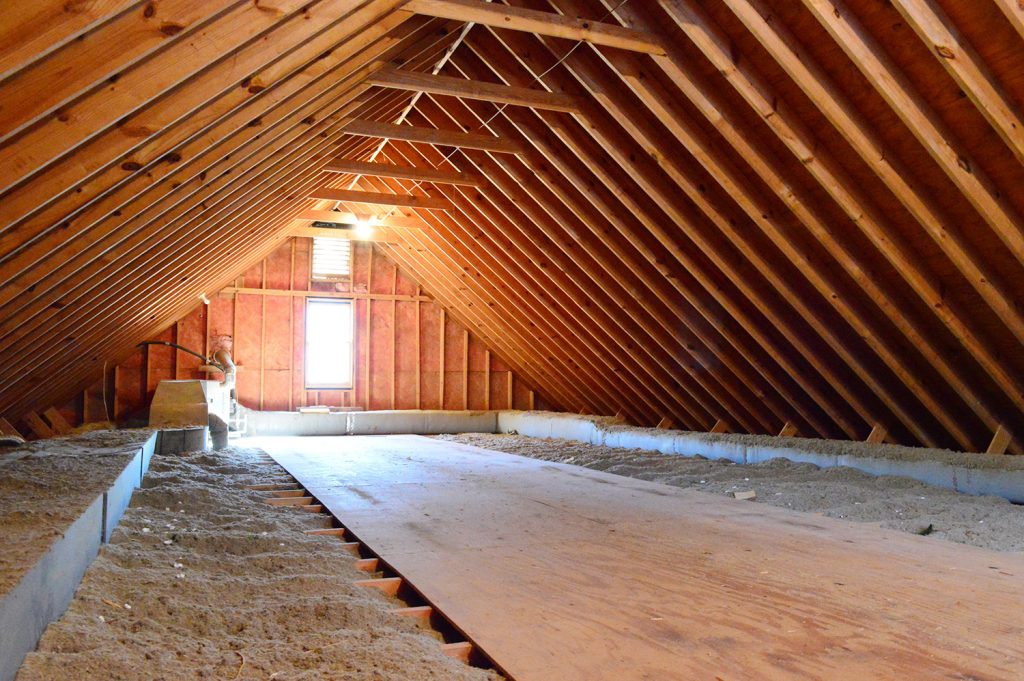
x=332, y=259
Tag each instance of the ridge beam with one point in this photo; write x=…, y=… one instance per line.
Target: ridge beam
x=443, y=138
x=541, y=23
x=342, y=165
x=471, y=89
x=375, y=198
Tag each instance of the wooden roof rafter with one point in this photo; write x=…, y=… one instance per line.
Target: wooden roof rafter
x=777, y=234
x=726, y=225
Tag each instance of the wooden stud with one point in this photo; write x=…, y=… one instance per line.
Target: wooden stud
x=720, y=427
x=440, y=373
x=263, y=329
x=394, y=336
x=291, y=327
x=487, y=380
x=465, y=369
x=419, y=342
x=366, y=564
x=665, y=423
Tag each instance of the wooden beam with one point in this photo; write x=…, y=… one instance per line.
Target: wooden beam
x=877, y=434
x=346, y=218
x=1000, y=441
x=1014, y=12
x=378, y=199
x=342, y=165
x=665, y=423
x=967, y=68
x=788, y=430
x=844, y=190
x=232, y=290
x=541, y=23
x=445, y=138
x=387, y=235
x=720, y=427
x=7, y=429
x=471, y=89
x=164, y=302
x=57, y=420
x=38, y=426
x=440, y=372
x=460, y=650
x=921, y=119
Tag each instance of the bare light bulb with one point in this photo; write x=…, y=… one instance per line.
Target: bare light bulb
x=364, y=228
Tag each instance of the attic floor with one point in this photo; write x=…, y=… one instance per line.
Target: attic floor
x=560, y=572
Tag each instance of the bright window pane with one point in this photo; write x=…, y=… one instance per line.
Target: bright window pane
x=328, y=344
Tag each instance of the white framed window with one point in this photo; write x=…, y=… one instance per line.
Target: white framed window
x=329, y=344
x=332, y=259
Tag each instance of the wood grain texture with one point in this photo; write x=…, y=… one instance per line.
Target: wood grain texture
x=597, y=576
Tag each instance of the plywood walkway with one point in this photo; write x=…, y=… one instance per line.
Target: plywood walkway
x=562, y=573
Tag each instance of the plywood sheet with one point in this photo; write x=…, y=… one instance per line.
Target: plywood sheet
x=565, y=573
